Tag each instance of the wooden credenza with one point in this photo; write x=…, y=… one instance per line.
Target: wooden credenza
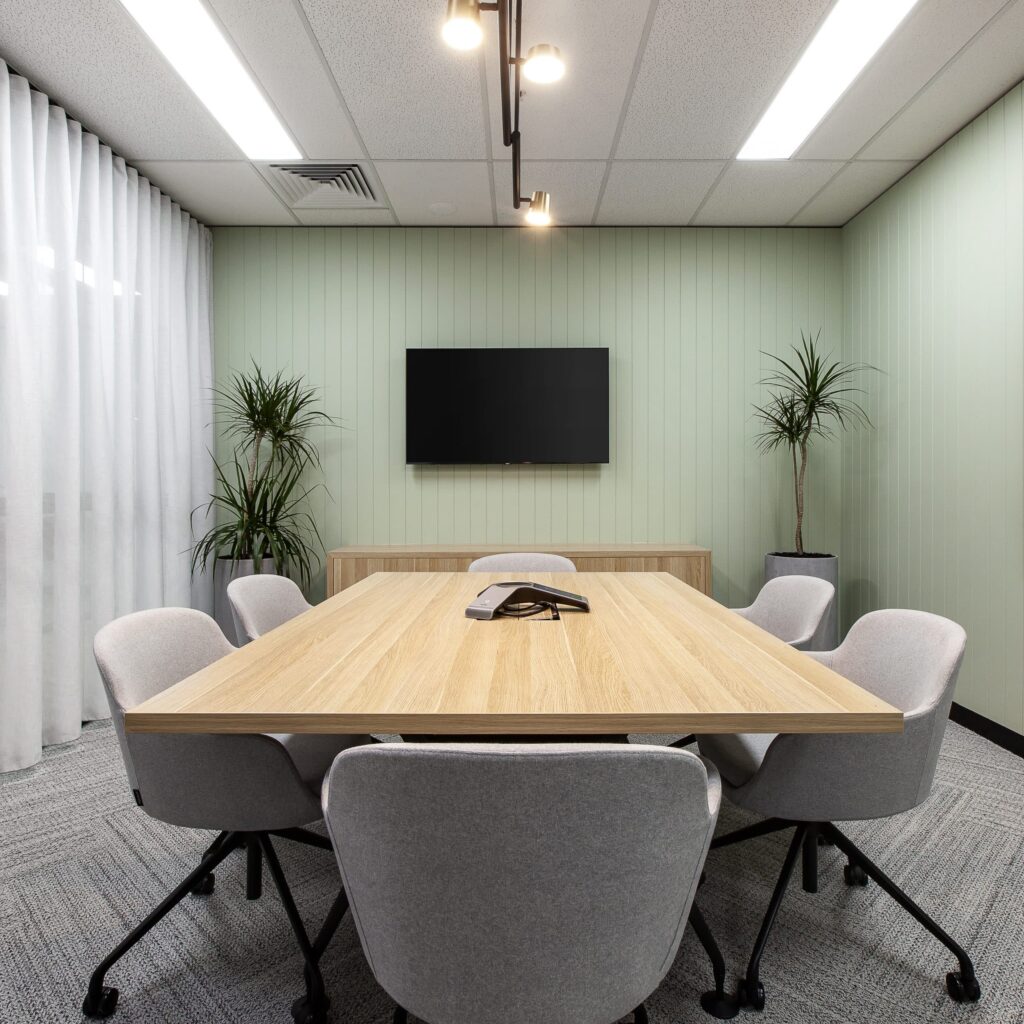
x=686, y=562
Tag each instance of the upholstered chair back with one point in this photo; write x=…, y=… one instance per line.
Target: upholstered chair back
x=520, y=883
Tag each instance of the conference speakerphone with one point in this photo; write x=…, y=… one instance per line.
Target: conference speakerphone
x=519, y=600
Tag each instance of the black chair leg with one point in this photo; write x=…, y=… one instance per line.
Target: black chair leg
x=759, y=828
x=962, y=985
x=330, y=925
x=253, y=868
x=312, y=1007
x=205, y=884
x=683, y=741
x=100, y=1001
x=810, y=859
x=305, y=837
x=717, y=1003
x=640, y=1015
x=400, y=1017
x=751, y=991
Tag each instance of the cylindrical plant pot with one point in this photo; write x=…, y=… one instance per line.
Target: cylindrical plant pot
x=824, y=567
x=224, y=572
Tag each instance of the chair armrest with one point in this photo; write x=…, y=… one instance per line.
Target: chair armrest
x=714, y=786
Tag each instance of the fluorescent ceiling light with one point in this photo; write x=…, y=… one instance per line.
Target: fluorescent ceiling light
x=189, y=38
x=849, y=37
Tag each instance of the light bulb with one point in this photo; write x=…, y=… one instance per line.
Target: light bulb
x=462, y=29
x=539, y=212
x=544, y=64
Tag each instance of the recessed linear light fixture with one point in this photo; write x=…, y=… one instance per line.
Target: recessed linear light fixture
x=542, y=64
x=188, y=37
x=850, y=36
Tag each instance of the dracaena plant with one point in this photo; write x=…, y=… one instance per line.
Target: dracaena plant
x=810, y=397
x=261, y=505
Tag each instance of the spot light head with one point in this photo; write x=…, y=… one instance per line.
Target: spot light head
x=539, y=213
x=544, y=64
x=462, y=29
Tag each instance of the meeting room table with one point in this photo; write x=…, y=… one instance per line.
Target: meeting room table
x=396, y=653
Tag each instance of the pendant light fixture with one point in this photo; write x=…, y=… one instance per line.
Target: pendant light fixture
x=543, y=64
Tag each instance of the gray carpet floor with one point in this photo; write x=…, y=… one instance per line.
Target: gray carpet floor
x=80, y=864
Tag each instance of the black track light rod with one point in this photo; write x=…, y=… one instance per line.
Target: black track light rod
x=509, y=66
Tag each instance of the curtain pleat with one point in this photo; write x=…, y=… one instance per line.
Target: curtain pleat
x=105, y=411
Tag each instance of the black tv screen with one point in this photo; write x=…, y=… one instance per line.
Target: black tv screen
x=506, y=405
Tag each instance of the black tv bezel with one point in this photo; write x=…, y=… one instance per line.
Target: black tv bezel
x=509, y=348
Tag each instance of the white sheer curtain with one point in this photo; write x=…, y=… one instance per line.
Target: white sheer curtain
x=105, y=366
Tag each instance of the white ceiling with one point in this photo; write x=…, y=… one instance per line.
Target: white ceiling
x=659, y=96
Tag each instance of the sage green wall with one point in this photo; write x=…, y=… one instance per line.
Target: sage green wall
x=685, y=312
x=932, y=506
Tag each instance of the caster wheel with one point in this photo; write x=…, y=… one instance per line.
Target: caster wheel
x=961, y=989
x=304, y=1012
x=99, y=1005
x=751, y=995
x=204, y=886
x=854, y=874
x=719, y=1005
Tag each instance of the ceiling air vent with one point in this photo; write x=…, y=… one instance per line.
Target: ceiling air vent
x=312, y=186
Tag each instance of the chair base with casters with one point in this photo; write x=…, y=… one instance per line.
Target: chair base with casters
x=962, y=984
x=101, y=1000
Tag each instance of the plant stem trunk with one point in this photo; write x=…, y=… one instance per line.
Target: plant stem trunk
x=799, y=482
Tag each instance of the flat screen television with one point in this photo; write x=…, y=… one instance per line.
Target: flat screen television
x=506, y=405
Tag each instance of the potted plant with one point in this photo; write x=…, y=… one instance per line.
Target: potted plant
x=809, y=398
x=261, y=519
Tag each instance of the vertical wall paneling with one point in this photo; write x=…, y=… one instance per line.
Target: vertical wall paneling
x=685, y=313
x=933, y=509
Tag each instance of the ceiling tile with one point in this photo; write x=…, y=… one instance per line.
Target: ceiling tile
x=854, y=187
x=708, y=72
x=217, y=193
x=343, y=218
x=95, y=61
x=576, y=118
x=574, y=187
x=764, y=192
x=275, y=40
x=929, y=36
x=984, y=71
x=464, y=188
x=656, y=191
x=411, y=96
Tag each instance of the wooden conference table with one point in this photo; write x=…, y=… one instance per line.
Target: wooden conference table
x=395, y=653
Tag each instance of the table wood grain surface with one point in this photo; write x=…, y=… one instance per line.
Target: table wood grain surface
x=395, y=653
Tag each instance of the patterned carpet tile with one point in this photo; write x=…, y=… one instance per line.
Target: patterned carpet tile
x=81, y=864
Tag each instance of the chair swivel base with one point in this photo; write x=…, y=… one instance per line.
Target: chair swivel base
x=962, y=984
x=101, y=1000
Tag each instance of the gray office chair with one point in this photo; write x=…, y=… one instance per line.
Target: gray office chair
x=791, y=608
x=522, y=561
x=523, y=883
x=263, y=602
x=247, y=787
x=908, y=658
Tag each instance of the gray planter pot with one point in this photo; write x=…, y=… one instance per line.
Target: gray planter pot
x=824, y=567
x=223, y=573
